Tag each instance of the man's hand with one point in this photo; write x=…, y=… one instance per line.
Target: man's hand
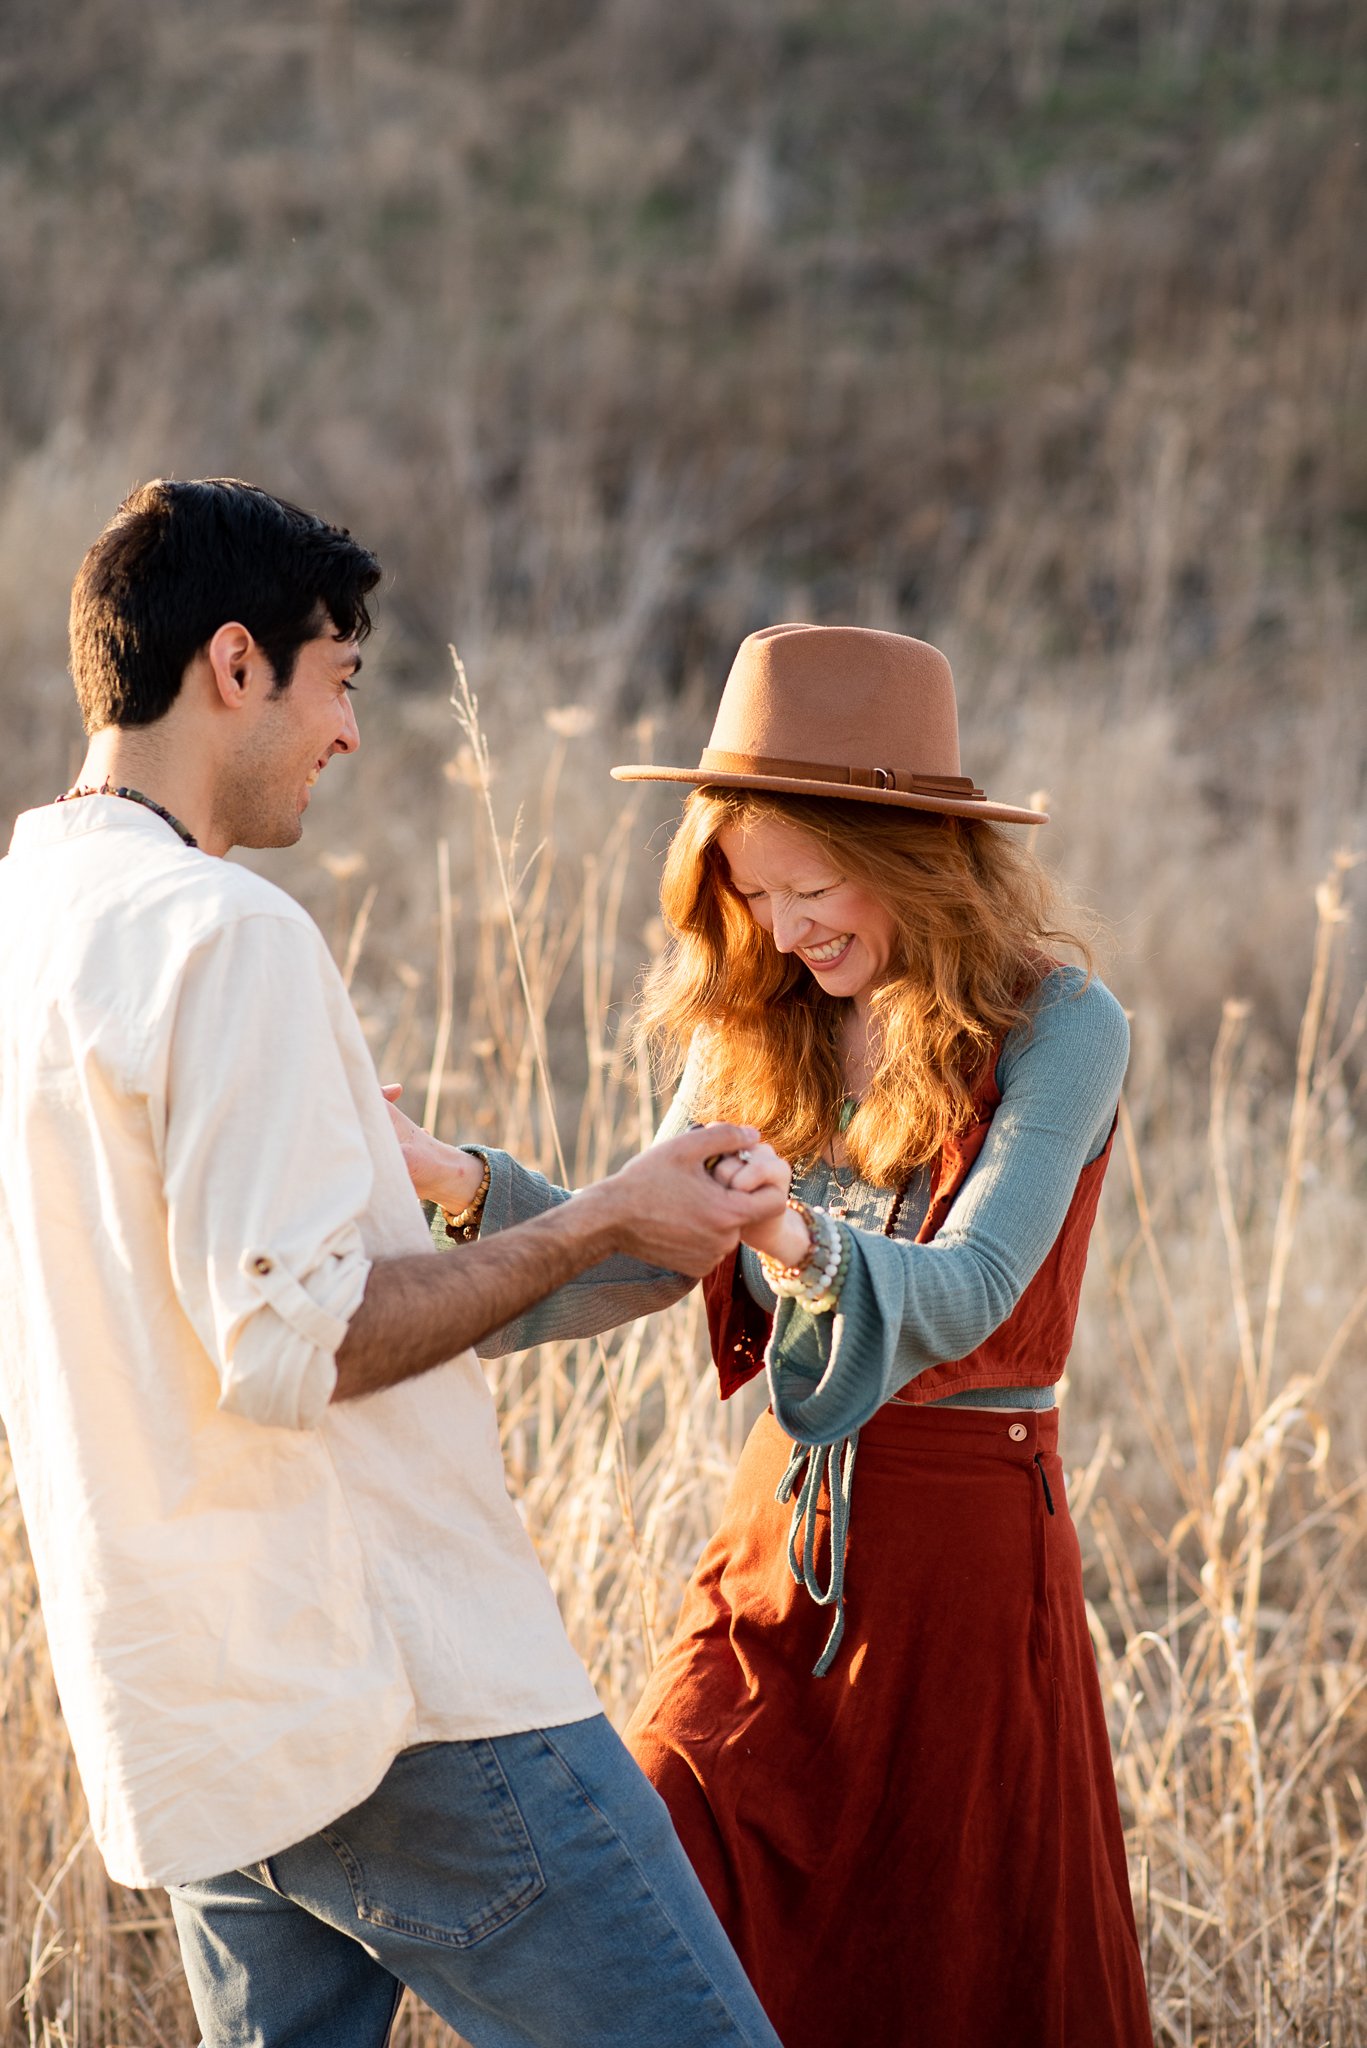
x=670, y=1210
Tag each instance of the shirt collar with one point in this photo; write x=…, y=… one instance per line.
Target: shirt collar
x=53, y=824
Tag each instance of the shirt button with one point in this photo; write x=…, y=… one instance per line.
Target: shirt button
x=1018, y=1432
x=264, y=1265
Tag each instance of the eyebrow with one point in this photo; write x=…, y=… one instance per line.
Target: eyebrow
x=809, y=888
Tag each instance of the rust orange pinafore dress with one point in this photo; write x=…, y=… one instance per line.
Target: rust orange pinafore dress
x=923, y=1848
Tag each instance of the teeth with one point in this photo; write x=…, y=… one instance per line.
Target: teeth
x=830, y=951
x=312, y=776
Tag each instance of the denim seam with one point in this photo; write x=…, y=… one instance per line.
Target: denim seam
x=498, y=1912
x=547, y=1736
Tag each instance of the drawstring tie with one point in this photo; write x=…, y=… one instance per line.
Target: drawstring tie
x=808, y=1467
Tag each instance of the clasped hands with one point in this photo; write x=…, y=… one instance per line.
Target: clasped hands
x=684, y=1203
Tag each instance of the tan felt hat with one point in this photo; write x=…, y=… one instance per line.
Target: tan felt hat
x=840, y=711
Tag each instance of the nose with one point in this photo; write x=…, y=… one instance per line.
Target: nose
x=349, y=735
x=790, y=927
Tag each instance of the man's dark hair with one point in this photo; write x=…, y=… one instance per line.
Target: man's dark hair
x=179, y=560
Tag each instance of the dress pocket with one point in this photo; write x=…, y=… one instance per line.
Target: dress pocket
x=441, y=1853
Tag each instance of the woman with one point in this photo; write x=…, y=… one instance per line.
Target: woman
x=878, y=1727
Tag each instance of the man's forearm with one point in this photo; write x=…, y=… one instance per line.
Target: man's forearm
x=418, y=1310
x=665, y=1206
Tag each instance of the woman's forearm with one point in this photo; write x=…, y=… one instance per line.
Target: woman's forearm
x=614, y=1291
x=447, y=1175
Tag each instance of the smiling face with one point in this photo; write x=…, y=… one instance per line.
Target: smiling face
x=841, y=932
x=296, y=732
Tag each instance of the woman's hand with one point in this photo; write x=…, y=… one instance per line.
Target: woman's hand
x=782, y=1235
x=440, y=1173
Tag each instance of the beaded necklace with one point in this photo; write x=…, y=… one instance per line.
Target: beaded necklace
x=134, y=796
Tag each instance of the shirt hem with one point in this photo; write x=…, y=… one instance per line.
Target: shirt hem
x=258, y=1849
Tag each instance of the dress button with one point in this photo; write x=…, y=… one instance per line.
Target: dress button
x=1018, y=1432
x=262, y=1265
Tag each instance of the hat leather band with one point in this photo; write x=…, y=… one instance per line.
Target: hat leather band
x=899, y=779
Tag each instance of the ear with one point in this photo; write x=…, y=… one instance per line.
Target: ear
x=235, y=663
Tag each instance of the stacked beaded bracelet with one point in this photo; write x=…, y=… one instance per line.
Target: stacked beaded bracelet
x=815, y=1281
x=465, y=1223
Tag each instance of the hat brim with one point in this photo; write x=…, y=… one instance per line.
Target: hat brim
x=908, y=800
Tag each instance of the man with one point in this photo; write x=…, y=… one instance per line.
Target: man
x=315, y=1679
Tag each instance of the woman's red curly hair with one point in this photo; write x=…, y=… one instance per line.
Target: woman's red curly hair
x=977, y=921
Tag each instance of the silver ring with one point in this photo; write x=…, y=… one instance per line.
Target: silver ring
x=744, y=1157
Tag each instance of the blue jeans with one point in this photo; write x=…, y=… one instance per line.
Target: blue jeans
x=530, y=1888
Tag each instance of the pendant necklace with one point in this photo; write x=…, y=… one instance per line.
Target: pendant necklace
x=843, y=1179
x=134, y=796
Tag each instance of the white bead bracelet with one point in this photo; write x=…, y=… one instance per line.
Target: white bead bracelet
x=815, y=1281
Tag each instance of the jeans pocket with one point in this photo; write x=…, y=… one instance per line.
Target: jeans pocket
x=440, y=1852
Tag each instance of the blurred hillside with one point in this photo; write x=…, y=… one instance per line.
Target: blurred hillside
x=620, y=327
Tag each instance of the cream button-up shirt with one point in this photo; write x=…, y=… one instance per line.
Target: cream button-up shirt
x=254, y=1597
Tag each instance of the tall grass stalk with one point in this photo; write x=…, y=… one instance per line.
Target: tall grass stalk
x=466, y=707
x=1216, y=1486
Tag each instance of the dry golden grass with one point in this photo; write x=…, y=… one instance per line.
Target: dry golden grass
x=1216, y=1448
x=620, y=330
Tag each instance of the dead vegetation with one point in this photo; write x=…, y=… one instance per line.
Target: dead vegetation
x=621, y=329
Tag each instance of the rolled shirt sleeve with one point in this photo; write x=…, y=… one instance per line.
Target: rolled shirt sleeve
x=265, y=1168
